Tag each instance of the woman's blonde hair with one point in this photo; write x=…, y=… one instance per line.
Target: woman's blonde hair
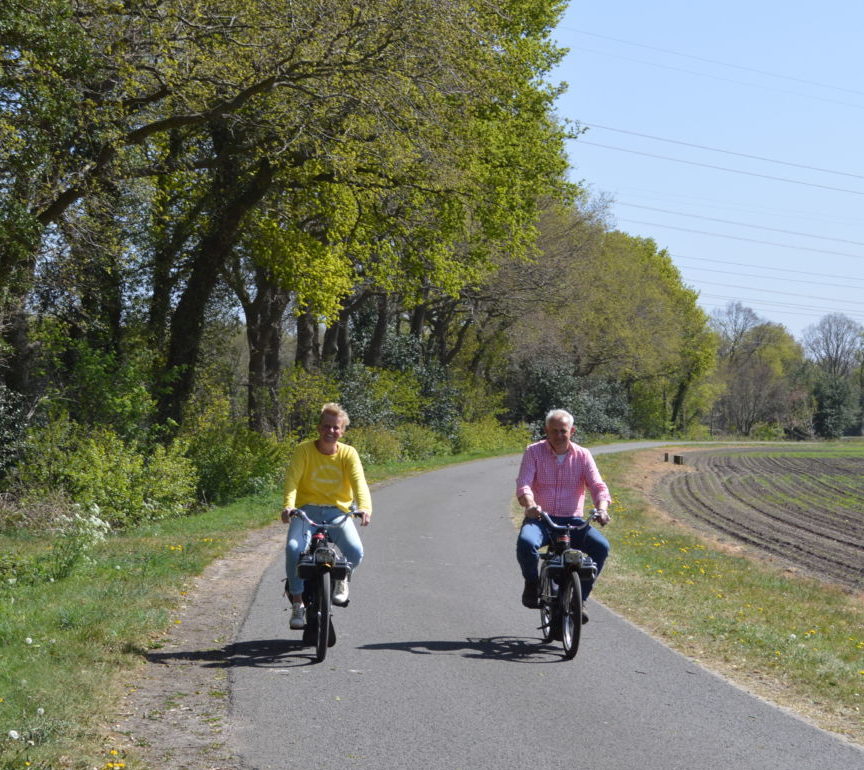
x=334, y=409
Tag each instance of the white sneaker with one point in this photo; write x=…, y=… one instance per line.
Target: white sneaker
x=340, y=593
x=298, y=617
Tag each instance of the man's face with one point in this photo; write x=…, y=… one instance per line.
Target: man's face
x=558, y=432
x=331, y=429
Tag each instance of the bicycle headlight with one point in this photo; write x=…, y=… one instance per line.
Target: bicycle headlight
x=325, y=555
x=573, y=557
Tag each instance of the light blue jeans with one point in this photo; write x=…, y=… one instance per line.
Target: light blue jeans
x=299, y=533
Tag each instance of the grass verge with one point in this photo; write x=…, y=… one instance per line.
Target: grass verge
x=793, y=640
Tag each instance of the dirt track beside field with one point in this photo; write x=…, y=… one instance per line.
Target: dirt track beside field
x=806, y=513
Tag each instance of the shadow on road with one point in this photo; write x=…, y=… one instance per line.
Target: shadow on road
x=509, y=649
x=257, y=653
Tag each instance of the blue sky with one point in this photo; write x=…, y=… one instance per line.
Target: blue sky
x=733, y=135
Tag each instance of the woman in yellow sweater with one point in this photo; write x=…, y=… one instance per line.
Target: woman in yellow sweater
x=324, y=478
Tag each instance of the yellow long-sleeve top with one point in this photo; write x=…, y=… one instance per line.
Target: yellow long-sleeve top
x=313, y=478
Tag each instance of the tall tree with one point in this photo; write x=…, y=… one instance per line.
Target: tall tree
x=835, y=344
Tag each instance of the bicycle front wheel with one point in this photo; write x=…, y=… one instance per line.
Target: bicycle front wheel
x=571, y=614
x=322, y=615
x=547, y=598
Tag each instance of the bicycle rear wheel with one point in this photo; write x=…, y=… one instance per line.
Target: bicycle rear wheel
x=571, y=615
x=547, y=599
x=322, y=615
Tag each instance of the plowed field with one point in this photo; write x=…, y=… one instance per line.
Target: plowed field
x=807, y=512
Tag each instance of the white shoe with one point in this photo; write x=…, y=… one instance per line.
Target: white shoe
x=298, y=617
x=340, y=593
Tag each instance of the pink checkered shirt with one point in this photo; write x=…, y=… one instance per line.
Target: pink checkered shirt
x=559, y=489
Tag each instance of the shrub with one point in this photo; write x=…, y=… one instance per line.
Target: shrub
x=97, y=468
x=764, y=431
x=375, y=444
x=420, y=443
x=380, y=397
x=77, y=534
x=231, y=460
x=489, y=435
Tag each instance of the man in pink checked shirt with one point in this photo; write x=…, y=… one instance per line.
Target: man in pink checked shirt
x=552, y=477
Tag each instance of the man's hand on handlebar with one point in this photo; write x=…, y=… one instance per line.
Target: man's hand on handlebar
x=286, y=514
x=602, y=517
x=364, y=516
x=533, y=511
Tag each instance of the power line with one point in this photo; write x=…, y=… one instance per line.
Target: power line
x=740, y=224
x=721, y=78
x=748, y=240
x=832, y=300
x=768, y=267
x=789, y=280
x=723, y=168
x=726, y=152
x=716, y=61
x=689, y=197
x=775, y=307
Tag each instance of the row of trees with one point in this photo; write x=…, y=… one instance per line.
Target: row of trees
x=215, y=214
x=771, y=381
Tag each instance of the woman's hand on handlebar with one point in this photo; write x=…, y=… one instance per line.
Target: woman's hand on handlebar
x=364, y=516
x=601, y=516
x=287, y=512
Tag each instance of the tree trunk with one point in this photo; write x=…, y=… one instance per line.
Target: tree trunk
x=308, y=355
x=375, y=351
x=187, y=323
x=264, y=316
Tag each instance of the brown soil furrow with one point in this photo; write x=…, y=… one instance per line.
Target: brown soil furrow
x=751, y=500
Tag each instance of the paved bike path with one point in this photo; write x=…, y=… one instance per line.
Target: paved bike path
x=438, y=666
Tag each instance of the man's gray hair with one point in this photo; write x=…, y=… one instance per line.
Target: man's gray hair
x=559, y=414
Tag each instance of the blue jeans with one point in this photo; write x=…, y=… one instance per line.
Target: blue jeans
x=299, y=533
x=533, y=536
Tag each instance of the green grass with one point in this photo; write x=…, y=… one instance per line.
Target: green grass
x=789, y=638
x=64, y=644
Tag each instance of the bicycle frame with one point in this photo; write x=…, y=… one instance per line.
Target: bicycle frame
x=321, y=563
x=562, y=569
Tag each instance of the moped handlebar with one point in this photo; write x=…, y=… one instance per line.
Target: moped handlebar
x=544, y=516
x=301, y=514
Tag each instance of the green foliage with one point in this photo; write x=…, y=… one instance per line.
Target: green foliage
x=13, y=426
x=77, y=534
x=488, y=435
x=420, y=442
x=767, y=432
x=835, y=409
x=97, y=386
x=598, y=406
x=98, y=470
x=380, y=396
x=375, y=444
x=301, y=395
x=231, y=460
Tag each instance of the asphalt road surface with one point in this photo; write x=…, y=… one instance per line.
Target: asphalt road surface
x=438, y=666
